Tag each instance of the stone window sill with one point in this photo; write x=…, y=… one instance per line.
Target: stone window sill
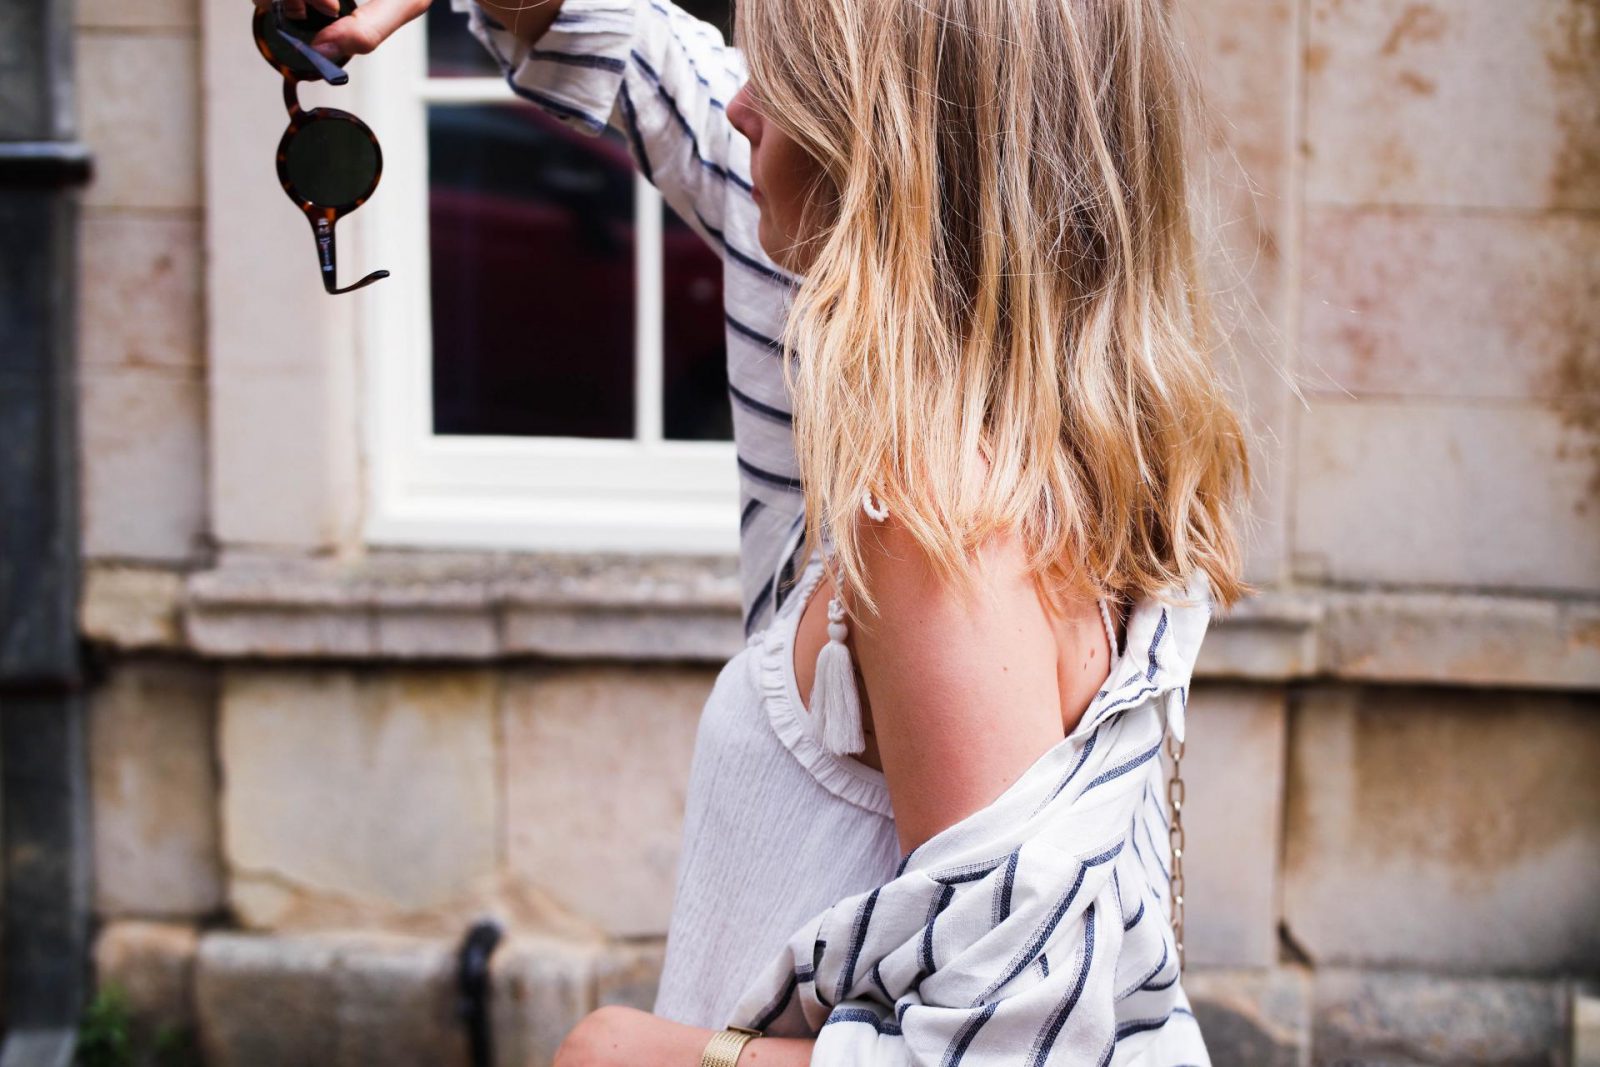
x=488, y=607
x=470, y=607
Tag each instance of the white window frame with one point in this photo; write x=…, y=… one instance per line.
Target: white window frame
x=501, y=492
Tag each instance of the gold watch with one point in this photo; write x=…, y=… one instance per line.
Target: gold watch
x=725, y=1045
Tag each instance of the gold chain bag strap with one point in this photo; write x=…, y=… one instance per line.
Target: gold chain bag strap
x=1175, y=795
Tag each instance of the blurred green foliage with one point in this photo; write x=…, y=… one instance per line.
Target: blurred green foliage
x=110, y=1036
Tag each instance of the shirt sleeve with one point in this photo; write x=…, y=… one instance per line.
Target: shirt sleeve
x=649, y=70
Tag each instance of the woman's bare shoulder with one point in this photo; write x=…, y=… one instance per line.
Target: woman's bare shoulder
x=965, y=692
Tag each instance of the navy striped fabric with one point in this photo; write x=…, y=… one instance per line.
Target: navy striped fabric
x=663, y=78
x=1036, y=930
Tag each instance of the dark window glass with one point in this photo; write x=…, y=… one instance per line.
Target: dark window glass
x=532, y=242
x=695, y=374
x=695, y=377
x=452, y=50
x=717, y=12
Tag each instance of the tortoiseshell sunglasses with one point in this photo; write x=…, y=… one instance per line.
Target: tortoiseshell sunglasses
x=329, y=161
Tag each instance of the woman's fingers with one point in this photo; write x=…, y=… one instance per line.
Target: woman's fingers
x=292, y=9
x=296, y=9
x=371, y=24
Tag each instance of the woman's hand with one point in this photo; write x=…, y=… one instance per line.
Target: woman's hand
x=359, y=32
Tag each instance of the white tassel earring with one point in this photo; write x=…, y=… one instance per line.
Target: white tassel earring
x=835, y=701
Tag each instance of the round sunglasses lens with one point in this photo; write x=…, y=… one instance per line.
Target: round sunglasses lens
x=331, y=162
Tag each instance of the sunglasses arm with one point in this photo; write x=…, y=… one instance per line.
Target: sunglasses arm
x=328, y=260
x=330, y=71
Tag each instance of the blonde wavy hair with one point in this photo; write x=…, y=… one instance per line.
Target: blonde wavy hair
x=1003, y=267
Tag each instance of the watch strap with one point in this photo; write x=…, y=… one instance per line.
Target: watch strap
x=725, y=1045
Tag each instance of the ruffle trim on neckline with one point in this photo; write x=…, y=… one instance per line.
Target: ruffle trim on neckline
x=846, y=778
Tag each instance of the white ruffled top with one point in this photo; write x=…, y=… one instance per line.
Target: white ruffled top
x=844, y=776
x=776, y=828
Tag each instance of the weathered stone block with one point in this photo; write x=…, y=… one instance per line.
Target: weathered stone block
x=1462, y=639
x=281, y=473
x=1233, y=778
x=1268, y=637
x=1244, y=51
x=1468, y=103
x=342, y=1000
x=1452, y=830
x=265, y=1001
x=131, y=607
x=471, y=634
x=1428, y=493
x=153, y=965
x=1586, y=1027
x=152, y=759
x=356, y=799
x=1257, y=1017
x=139, y=303
x=1420, y=1020
x=541, y=989
x=597, y=764
x=313, y=630
x=139, y=15
x=139, y=106
x=629, y=973
x=600, y=631
x=397, y=1003
x=142, y=437
x=1401, y=302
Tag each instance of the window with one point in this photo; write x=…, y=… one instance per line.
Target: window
x=547, y=369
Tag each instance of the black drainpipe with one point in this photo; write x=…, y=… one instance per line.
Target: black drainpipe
x=472, y=989
x=44, y=838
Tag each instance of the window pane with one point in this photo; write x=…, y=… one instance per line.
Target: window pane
x=531, y=236
x=452, y=50
x=695, y=376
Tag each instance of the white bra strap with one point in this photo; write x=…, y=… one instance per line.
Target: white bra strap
x=1111, y=630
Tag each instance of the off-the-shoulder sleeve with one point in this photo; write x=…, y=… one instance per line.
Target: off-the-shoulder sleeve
x=648, y=69
x=1035, y=931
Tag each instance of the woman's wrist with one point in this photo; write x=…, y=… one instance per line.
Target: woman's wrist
x=724, y=1046
x=627, y=1037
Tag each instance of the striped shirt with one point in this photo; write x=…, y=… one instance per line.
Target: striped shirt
x=663, y=78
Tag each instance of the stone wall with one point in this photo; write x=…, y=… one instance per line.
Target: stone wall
x=1366, y=866
x=314, y=767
